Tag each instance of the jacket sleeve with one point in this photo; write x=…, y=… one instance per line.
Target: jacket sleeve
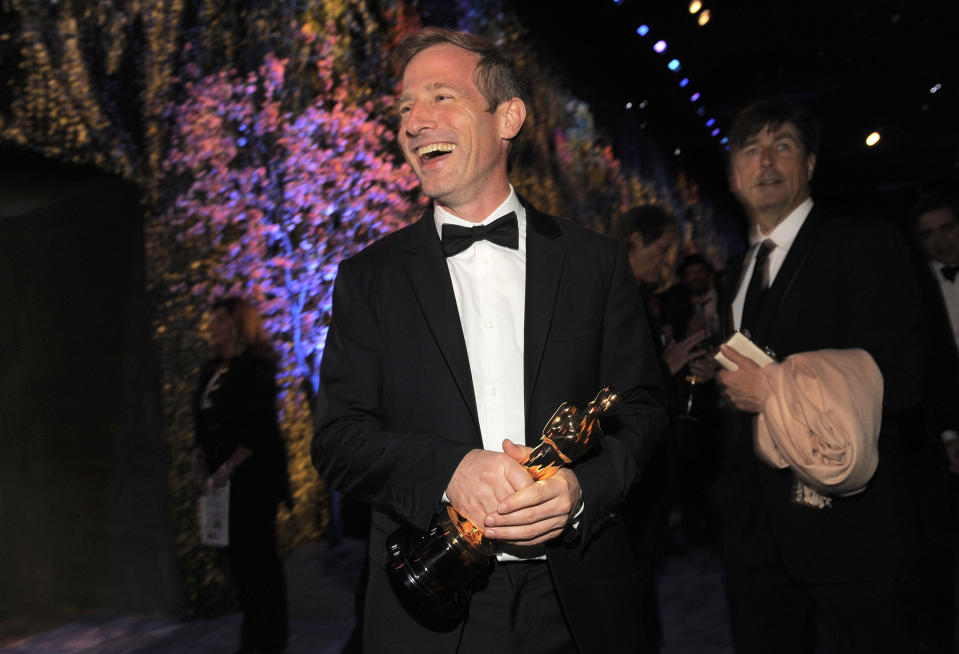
x=402, y=473
x=629, y=362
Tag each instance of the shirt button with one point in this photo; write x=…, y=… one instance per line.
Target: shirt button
x=492, y=391
x=489, y=324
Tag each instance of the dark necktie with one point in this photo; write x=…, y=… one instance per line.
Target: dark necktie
x=949, y=272
x=758, y=284
x=502, y=231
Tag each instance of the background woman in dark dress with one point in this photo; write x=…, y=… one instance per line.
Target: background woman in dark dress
x=238, y=440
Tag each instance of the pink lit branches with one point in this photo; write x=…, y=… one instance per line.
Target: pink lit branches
x=273, y=199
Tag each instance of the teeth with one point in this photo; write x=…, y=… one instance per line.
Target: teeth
x=435, y=147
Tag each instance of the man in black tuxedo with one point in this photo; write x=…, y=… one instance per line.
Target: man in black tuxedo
x=935, y=226
x=820, y=282
x=459, y=335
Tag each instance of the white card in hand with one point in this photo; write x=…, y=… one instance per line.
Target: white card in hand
x=747, y=348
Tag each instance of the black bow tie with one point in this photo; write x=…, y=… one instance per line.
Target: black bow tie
x=502, y=231
x=949, y=272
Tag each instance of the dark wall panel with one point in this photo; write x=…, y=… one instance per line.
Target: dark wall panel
x=84, y=516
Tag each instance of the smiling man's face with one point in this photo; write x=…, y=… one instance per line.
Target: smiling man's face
x=770, y=174
x=457, y=148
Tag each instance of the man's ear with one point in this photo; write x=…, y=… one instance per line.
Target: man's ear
x=810, y=166
x=513, y=116
x=635, y=240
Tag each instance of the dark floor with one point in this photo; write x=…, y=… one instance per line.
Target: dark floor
x=321, y=583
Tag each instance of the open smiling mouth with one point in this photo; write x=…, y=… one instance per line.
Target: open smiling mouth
x=435, y=150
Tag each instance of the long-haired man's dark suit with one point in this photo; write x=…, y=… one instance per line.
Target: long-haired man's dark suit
x=844, y=284
x=397, y=410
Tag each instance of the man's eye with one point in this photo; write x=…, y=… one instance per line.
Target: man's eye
x=783, y=146
x=405, y=109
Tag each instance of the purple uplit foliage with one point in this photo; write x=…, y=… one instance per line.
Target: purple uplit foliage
x=278, y=207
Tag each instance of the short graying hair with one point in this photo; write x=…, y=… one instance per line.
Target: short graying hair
x=496, y=77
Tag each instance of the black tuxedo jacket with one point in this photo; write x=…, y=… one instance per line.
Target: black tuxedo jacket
x=397, y=411
x=844, y=284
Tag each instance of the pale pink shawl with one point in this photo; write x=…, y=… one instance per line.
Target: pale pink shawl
x=821, y=419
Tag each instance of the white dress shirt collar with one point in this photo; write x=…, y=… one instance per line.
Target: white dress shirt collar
x=441, y=216
x=785, y=232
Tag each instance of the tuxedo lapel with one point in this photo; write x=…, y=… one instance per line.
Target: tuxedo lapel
x=429, y=276
x=778, y=293
x=545, y=256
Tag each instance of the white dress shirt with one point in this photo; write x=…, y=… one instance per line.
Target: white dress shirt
x=782, y=236
x=489, y=282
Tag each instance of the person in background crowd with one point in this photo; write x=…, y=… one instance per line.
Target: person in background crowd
x=650, y=232
x=692, y=307
x=238, y=441
x=935, y=226
x=815, y=284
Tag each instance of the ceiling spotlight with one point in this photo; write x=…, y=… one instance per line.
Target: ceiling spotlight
x=694, y=97
x=683, y=82
x=629, y=105
x=703, y=17
x=724, y=140
x=660, y=46
x=872, y=139
x=715, y=132
x=695, y=6
x=677, y=152
x=642, y=30
x=642, y=105
x=710, y=122
x=673, y=65
x=935, y=89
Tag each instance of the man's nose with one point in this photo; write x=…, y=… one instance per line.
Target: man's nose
x=419, y=118
x=765, y=156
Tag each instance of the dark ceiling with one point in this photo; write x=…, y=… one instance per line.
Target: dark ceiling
x=859, y=66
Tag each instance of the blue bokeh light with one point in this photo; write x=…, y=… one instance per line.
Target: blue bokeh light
x=642, y=30
x=673, y=65
x=683, y=82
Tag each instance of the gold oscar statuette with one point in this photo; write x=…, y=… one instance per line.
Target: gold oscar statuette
x=432, y=572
